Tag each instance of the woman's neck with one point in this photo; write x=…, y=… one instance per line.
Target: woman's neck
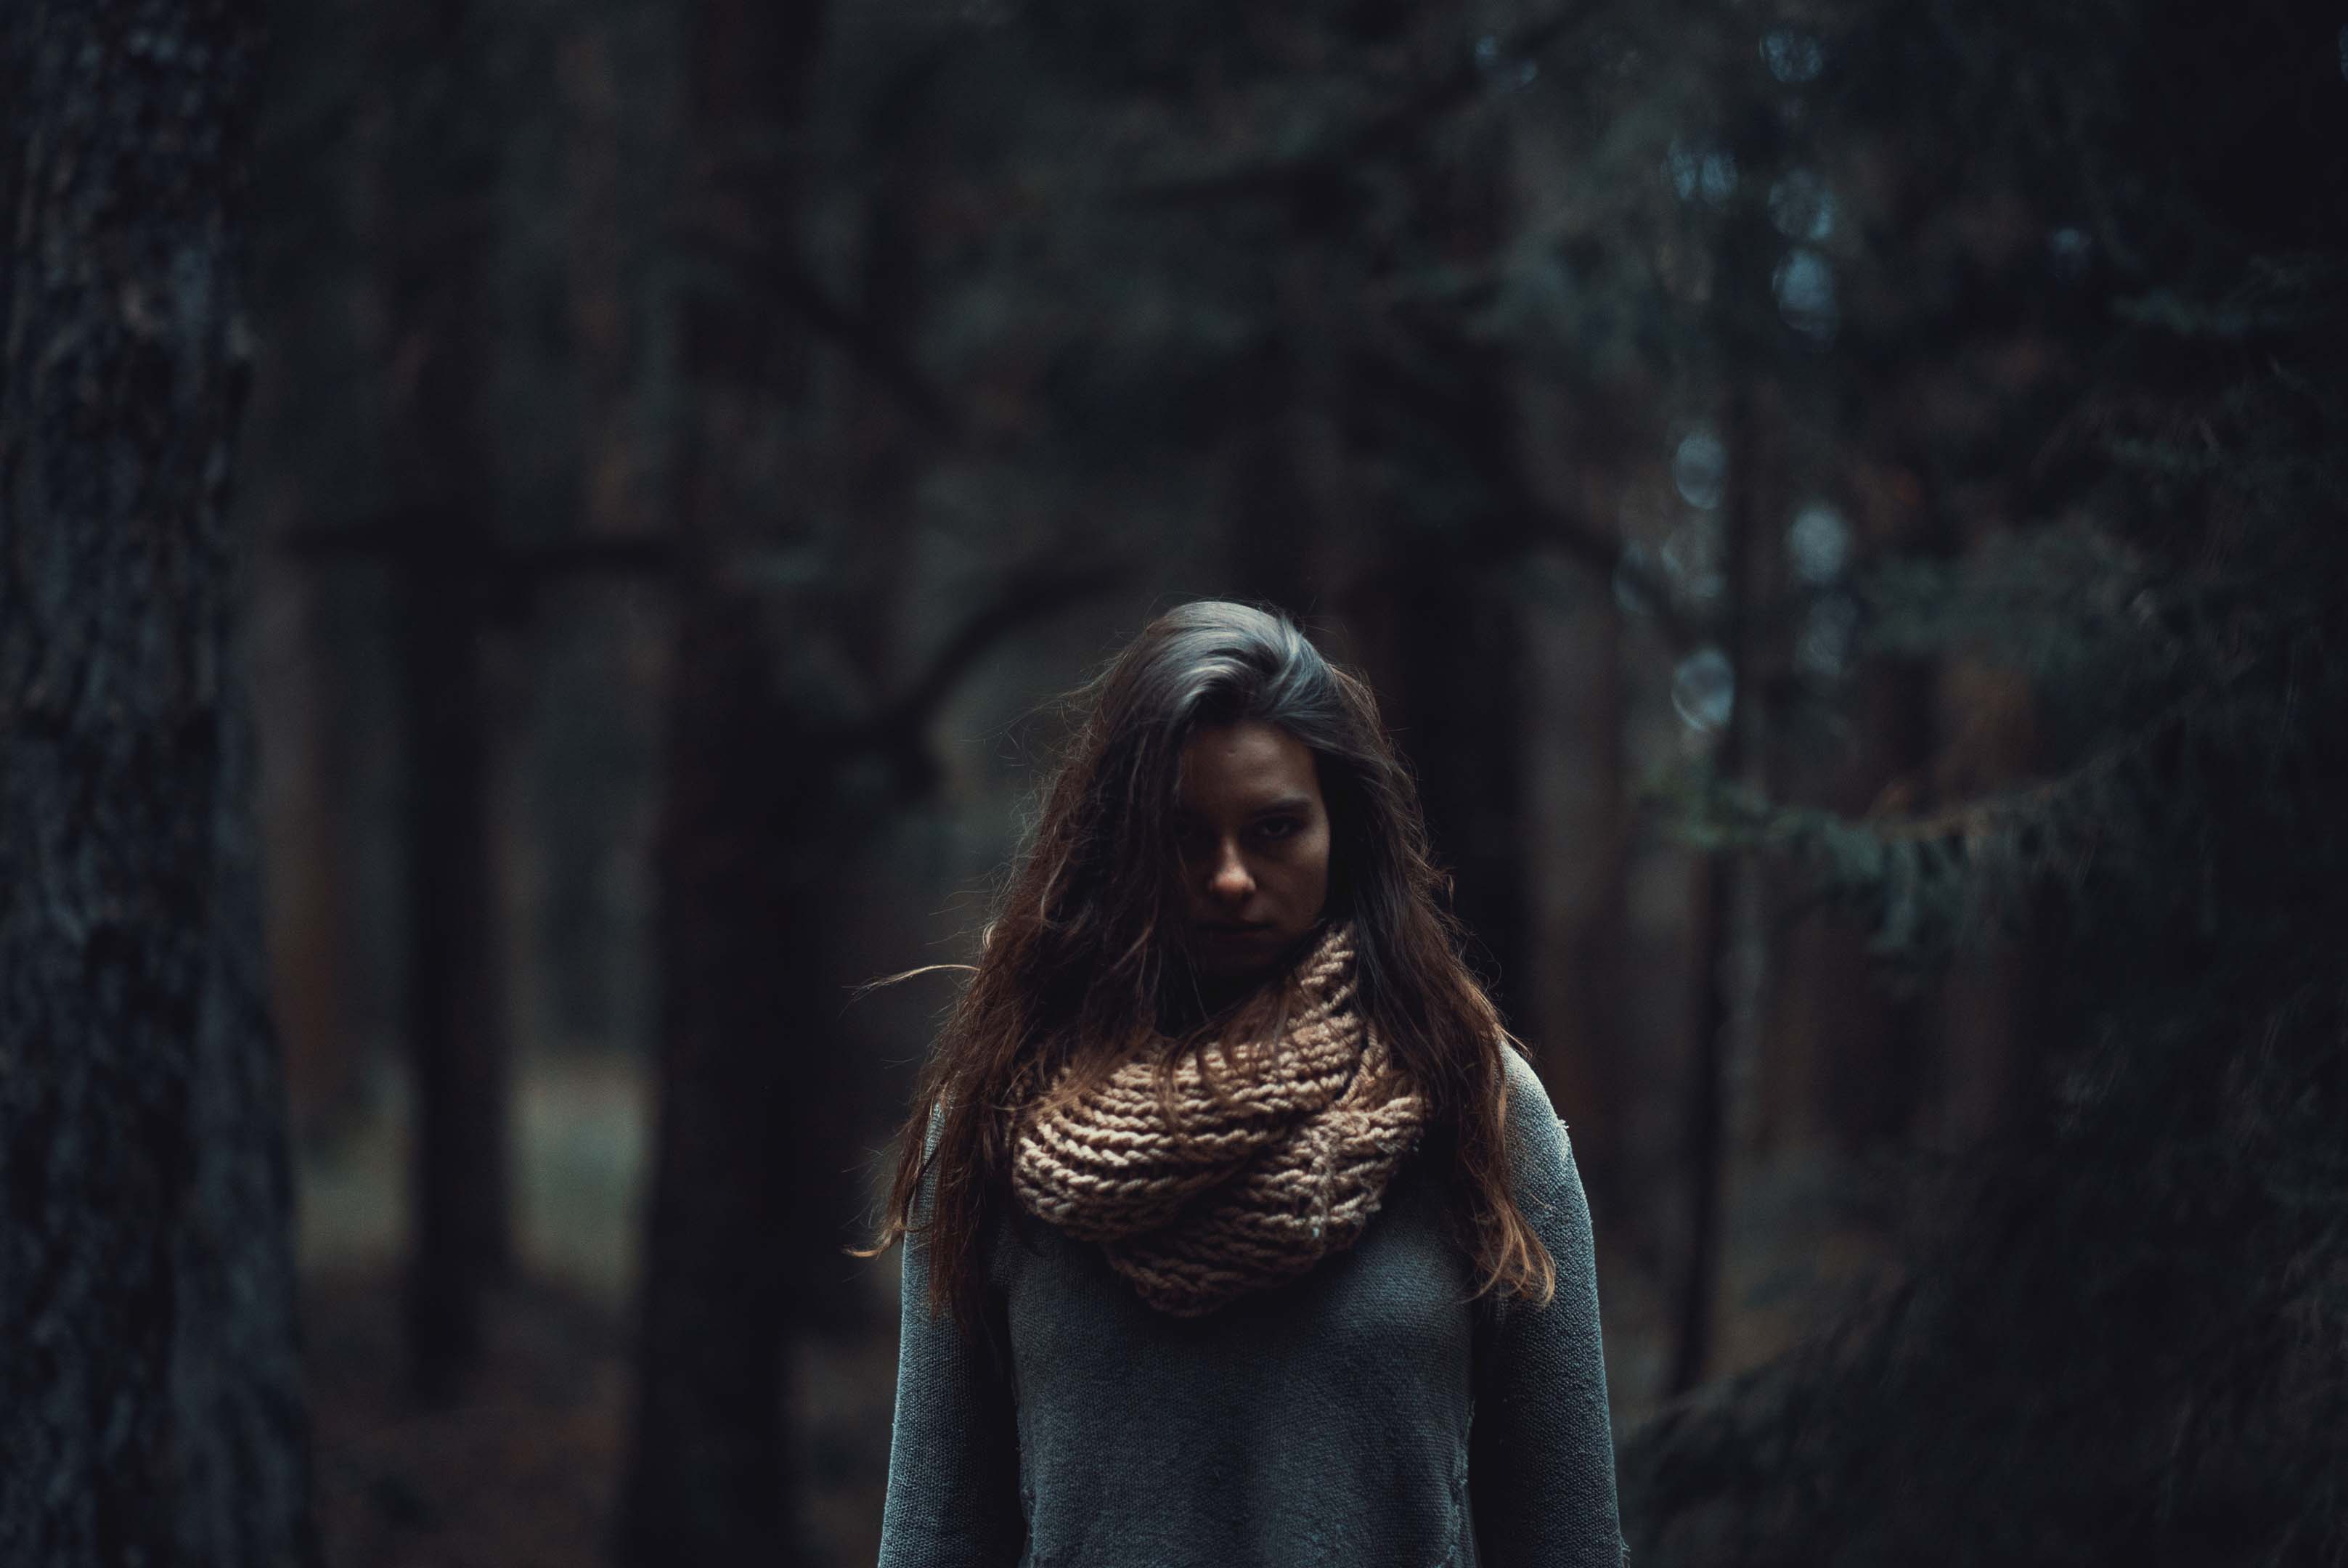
x=1203, y=1004
x=1217, y=998
x=1223, y=998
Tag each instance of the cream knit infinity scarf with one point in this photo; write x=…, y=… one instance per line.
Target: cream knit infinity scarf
x=1237, y=1192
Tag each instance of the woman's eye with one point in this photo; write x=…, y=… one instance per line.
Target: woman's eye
x=1278, y=827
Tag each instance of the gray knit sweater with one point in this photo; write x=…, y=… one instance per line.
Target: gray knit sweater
x=1365, y=1414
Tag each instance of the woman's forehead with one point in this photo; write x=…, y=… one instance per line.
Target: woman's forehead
x=1250, y=764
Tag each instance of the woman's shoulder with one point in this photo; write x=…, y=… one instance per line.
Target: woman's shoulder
x=1540, y=1155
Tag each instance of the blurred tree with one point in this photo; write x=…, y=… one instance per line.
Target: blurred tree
x=740, y=927
x=311, y=456
x=775, y=796
x=2102, y=333
x=420, y=251
x=306, y=785
x=1717, y=878
x=435, y=230
x=1577, y=830
x=798, y=733
x=150, y=1387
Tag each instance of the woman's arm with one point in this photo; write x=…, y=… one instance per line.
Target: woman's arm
x=953, y=1448
x=1540, y=1464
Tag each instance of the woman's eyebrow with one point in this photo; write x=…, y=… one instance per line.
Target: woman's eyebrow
x=1292, y=803
x=1285, y=802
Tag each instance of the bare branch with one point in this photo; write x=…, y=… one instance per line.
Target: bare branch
x=407, y=539
x=764, y=258
x=1380, y=135
x=1028, y=595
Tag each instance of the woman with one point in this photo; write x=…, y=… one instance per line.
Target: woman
x=1236, y=1231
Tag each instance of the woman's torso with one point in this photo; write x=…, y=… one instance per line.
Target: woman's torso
x=1325, y=1420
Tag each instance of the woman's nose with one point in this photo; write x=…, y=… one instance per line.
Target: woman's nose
x=1230, y=880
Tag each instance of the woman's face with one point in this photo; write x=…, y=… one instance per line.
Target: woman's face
x=1253, y=834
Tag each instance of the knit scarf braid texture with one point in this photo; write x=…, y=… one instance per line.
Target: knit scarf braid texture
x=1251, y=1182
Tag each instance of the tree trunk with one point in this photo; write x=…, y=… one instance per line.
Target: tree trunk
x=1578, y=835
x=1271, y=522
x=1463, y=712
x=236, y=1374
x=1846, y=1062
x=1714, y=922
x=461, y=1236
x=150, y=1393
x=1446, y=651
x=436, y=230
x=1576, y=754
x=1991, y=1003
x=305, y=795
x=1842, y=1054
x=708, y=1476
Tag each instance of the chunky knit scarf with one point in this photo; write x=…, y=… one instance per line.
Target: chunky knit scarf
x=1241, y=1189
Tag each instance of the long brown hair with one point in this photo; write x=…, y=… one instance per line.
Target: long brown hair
x=1076, y=973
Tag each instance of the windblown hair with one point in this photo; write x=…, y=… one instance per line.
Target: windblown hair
x=1079, y=969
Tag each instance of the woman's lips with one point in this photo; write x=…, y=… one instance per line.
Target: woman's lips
x=1234, y=932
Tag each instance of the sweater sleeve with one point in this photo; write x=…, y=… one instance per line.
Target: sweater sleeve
x=1540, y=1465
x=953, y=1446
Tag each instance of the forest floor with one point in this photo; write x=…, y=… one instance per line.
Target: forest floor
x=521, y=1472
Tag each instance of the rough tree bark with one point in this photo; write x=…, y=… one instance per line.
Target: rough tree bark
x=150, y=1394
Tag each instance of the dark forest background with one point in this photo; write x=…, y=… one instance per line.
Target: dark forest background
x=538, y=541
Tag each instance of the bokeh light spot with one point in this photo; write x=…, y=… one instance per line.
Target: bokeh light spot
x=2067, y=250
x=1692, y=557
x=1802, y=207
x=1700, y=469
x=1706, y=173
x=1703, y=690
x=1818, y=543
x=1829, y=628
x=1792, y=56
x=1805, y=286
